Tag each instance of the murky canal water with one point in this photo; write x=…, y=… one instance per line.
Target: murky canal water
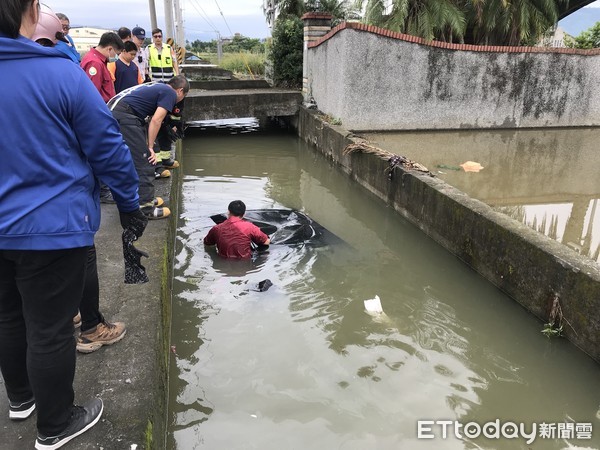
x=302, y=366
x=546, y=179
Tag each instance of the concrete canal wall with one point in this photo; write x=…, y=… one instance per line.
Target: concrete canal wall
x=528, y=266
x=375, y=79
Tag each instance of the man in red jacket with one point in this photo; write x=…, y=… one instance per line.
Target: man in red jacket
x=94, y=64
x=235, y=236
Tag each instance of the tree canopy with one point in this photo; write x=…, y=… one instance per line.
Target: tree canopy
x=589, y=38
x=485, y=22
x=238, y=43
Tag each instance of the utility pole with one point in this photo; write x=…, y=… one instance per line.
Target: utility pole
x=168, y=20
x=179, y=32
x=153, y=23
x=219, y=48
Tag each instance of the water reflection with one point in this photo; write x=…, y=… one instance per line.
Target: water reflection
x=546, y=179
x=232, y=126
x=303, y=366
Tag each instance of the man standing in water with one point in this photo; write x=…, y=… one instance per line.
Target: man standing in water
x=235, y=236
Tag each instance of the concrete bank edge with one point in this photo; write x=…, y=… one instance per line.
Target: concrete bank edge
x=529, y=267
x=159, y=433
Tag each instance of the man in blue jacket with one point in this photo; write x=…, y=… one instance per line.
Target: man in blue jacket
x=62, y=137
x=68, y=48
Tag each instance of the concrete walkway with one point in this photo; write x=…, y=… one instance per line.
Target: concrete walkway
x=129, y=376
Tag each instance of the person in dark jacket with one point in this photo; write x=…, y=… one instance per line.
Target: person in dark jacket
x=132, y=108
x=63, y=138
x=125, y=73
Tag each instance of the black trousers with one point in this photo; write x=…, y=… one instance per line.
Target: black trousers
x=90, y=301
x=40, y=292
x=134, y=133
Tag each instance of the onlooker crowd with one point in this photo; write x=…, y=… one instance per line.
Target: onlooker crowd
x=50, y=191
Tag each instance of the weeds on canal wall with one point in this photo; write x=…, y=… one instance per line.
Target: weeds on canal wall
x=554, y=327
x=331, y=120
x=550, y=330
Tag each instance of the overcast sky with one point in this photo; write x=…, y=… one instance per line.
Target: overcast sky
x=201, y=17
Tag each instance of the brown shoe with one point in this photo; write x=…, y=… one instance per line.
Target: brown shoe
x=77, y=320
x=162, y=173
x=169, y=164
x=158, y=213
x=105, y=333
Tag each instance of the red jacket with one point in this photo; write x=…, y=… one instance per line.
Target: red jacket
x=234, y=237
x=94, y=66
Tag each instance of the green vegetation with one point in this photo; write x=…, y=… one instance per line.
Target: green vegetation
x=148, y=435
x=491, y=22
x=237, y=44
x=244, y=56
x=285, y=53
x=587, y=39
x=243, y=64
x=550, y=330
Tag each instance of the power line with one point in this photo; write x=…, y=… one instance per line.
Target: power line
x=203, y=15
x=224, y=20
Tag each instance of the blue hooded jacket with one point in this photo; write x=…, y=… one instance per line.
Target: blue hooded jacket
x=57, y=137
x=68, y=50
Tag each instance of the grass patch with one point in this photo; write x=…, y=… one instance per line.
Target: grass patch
x=148, y=436
x=241, y=64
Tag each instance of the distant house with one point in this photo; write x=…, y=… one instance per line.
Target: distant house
x=555, y=38
x=86, y=37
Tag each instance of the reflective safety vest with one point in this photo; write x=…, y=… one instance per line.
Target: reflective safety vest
x=161, y=65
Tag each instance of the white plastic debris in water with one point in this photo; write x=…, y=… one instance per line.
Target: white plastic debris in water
x=373, y=306
x=374, y=309
x=133, y=447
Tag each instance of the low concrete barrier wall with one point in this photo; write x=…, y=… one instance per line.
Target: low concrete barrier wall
x=197, y=72
x=227, y=104
x=376, y=79
x=223, y=85
x=528, y=266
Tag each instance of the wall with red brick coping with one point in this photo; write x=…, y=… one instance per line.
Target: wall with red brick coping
x=450, y=46
x=376, y=79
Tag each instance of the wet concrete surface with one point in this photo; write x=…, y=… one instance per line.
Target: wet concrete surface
x=125, y=375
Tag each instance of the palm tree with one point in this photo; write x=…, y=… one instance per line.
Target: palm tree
x=430, y=19
x=290, y=7
x=339, y=9
x=511, y=22
x=492, y=22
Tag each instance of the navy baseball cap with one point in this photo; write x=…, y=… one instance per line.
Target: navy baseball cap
x=139, y=33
